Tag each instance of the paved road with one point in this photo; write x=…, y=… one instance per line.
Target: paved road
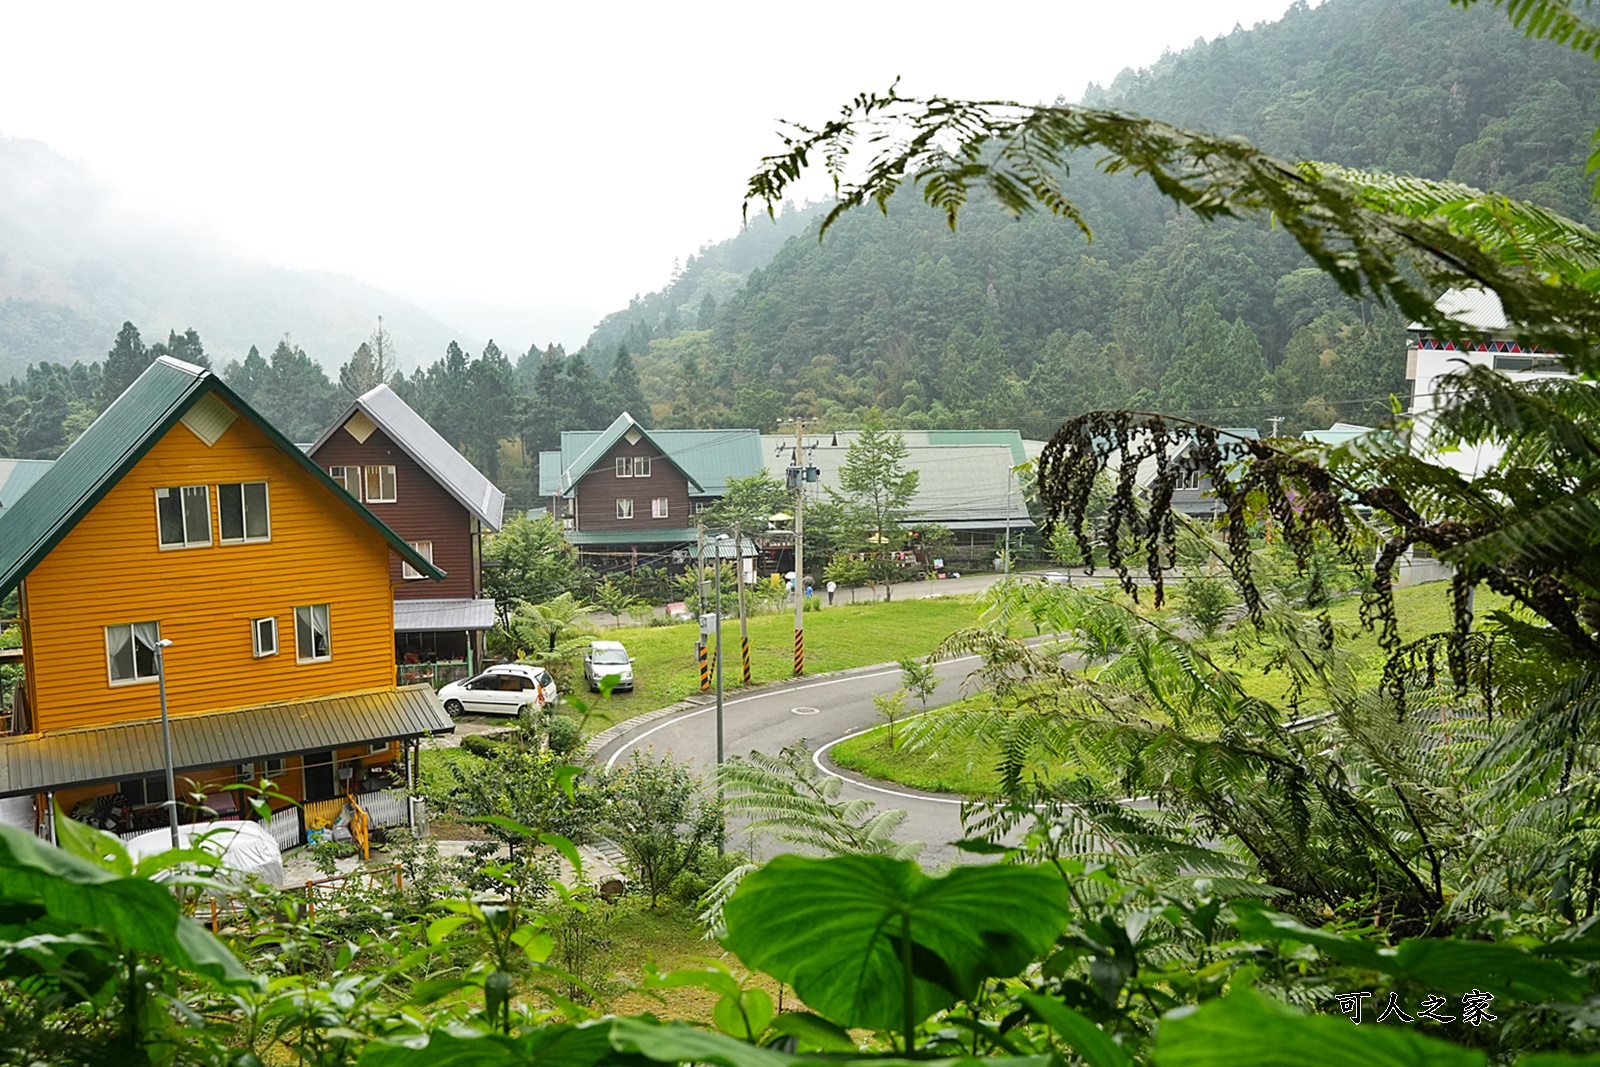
x=817, y=711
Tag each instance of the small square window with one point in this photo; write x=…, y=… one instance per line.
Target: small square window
x=183, y=516
x=264, y=636
x=624, y=508
x=349, y=479
x=658, y=508
x=131, y=651
x=380, y=485
x=311, y=636
x=425, y=550
x=242, y=512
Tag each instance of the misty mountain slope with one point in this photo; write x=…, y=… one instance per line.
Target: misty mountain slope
x=710, y=277
x=1024, y=323
x=74, y=265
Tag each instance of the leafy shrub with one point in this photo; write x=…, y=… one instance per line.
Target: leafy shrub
x=1205, y=601
x=661, y=817
x=563, y=734
x=480, y=746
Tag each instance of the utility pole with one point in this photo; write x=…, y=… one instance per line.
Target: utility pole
x=798, y=473
x=700, y=603
x=1276, y=421
x=722, y=833
x=744, y=622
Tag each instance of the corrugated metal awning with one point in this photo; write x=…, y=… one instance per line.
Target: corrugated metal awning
x=1016, y=522
x=60, y=759
x=418, y=616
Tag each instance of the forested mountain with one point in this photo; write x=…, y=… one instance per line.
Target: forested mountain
x=1004, y=323
x=74, y=266
x=1024, y=322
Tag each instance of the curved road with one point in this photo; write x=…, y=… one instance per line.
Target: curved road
x=818, y=711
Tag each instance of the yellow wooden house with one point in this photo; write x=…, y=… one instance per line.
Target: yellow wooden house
x=182, y=545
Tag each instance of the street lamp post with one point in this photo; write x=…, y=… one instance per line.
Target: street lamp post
x=166, y=738
x=717, y=582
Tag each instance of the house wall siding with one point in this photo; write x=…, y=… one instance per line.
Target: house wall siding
x=596, y=495
x=423, y=511
x=110, y=569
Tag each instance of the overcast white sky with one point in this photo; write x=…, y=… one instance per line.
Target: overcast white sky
x=518, y=169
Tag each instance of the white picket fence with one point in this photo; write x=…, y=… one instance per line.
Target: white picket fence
x=284, y=826
x=385, y=808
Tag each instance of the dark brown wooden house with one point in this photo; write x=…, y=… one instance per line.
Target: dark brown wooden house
x=386, y=456
x=625, y=492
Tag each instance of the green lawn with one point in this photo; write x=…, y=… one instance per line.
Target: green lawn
x=951, y=765
x=967, y=765
x=666, y=670
x=1420, y=609
x=846, y=635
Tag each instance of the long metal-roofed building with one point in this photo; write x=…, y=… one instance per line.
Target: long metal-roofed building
x=966, y=481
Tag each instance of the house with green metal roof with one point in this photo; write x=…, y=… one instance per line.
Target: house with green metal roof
x=182, y=560
x=631, y=494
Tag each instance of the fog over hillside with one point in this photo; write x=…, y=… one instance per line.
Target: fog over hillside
x=76, y=262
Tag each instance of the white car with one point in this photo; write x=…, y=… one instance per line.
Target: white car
x=502, y=690
x=607, y=657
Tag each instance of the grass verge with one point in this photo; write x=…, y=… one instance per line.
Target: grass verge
x=836, y=638
x=968, y=765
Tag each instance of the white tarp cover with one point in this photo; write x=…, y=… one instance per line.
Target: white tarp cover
x=243, y=847
x=18, y=812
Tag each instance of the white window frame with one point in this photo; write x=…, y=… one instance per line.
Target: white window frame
x=259, y=647
x=624, y=466
x=660, y=507
x=641, y=466
x=309, y=612
x=348, y=478
x=380, y=497
x=423, y=549
x=184, y=508
x=244, y=514
x=624, y=507
x=133, y=637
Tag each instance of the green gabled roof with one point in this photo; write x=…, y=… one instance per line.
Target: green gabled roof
x=574, y=473
x=708, y=458
x=110, y=448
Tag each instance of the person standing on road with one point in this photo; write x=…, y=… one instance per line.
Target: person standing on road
x=833, y=587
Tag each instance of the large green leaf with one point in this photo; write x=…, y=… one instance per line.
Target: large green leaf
x=134, y=913
x=620, y=1042
x=1245, y=1030
x=1446, y=965
x=1091, y=1043
x=834, y=929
